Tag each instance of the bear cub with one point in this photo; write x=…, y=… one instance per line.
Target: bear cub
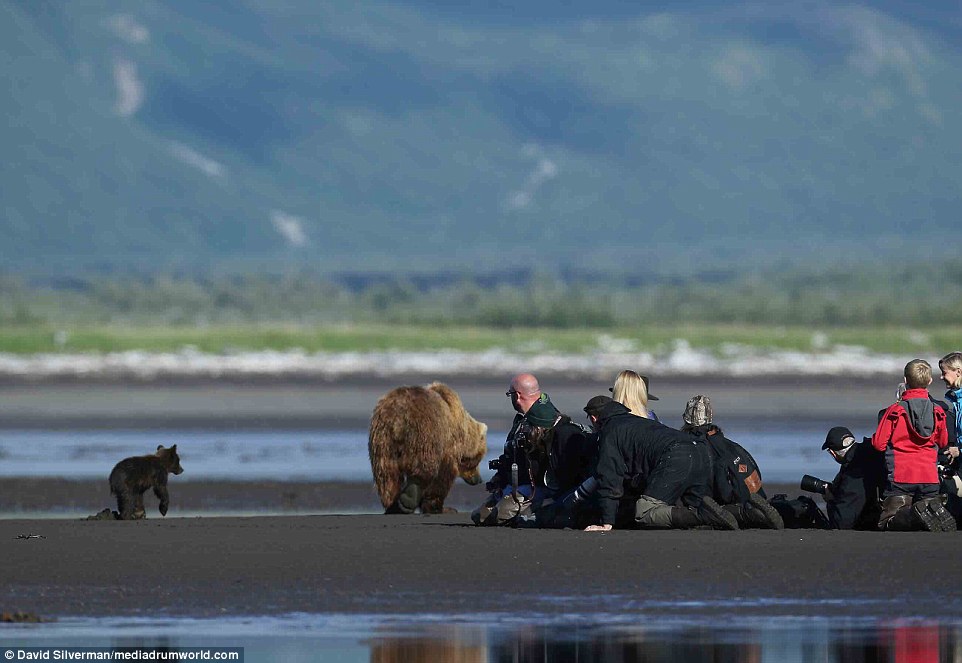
x=132, y=476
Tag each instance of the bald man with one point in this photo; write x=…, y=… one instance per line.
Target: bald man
x=524, y=391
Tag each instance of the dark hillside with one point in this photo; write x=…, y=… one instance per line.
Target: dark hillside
x=417, y=136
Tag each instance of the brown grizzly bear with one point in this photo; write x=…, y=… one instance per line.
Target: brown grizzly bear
x=421, y=440
x=132, y=476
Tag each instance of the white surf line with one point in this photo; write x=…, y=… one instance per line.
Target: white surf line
x=681, y=360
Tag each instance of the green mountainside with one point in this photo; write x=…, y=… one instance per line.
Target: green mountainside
x=412, y=136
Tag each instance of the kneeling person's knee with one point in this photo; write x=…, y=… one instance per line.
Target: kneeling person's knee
x=651, y=512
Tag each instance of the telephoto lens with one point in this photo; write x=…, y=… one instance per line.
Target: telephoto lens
x=582, y=492
x=812, y=484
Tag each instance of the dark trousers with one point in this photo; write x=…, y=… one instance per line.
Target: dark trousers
x=917, y=491
x=683, y=472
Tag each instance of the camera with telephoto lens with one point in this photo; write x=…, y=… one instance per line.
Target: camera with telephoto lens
x=519, y=443
x=812, y=484
x=582, y=492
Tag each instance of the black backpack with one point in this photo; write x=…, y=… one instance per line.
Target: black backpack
x=736, y=474
x=799, y=513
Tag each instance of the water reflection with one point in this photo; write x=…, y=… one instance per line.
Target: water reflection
x=806, y=640
x=693, y=637
x=402, y=650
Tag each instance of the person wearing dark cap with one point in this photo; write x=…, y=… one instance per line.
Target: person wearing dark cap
x=736, y=478
x=631, y=390
x=852, y=500
x=657, y=465
x=561, y=456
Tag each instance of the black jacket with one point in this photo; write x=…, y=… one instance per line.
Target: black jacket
x=629, y=448
x=857, y=488
x=571, y=457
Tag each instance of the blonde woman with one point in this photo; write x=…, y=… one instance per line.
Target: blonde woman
x=951, y=365
x=631, y=390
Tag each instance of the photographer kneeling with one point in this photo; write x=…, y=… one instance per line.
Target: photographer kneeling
x=561, y=456
x=853, y=497
x=510, y=493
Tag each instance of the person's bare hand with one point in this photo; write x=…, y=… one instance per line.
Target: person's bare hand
x=952, y=452
x=598, y=528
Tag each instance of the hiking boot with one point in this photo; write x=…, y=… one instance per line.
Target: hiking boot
x=410, y=498
x=407, y=501
x=711, y=514
x=739, y=513
x=897, y=514
x=759, y=513
x=925, y=517
x=684, y=518
x=932, y=515
x=946, y=519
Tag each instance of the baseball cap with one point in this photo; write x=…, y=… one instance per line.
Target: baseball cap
x=596, y=403
x=836, y=436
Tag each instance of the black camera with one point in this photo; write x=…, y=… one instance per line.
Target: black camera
x=494, y=464
x=812, y=484
x=521, y=438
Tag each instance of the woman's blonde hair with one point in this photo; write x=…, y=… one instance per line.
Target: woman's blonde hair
x=629, y=390
x=952, y=360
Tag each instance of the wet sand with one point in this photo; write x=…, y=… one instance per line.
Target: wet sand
x=86, y=497
x=443, y=564
x=24, y=497
x=371, y=563
x=207, y=566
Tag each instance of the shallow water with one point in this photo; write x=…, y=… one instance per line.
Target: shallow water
x=321, y=455
x=687, y=635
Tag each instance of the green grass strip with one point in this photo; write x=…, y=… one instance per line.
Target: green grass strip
x=366, y=338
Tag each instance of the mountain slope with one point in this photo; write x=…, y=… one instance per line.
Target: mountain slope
x=407, y=135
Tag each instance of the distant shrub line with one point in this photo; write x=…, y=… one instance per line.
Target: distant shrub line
x=847, y=296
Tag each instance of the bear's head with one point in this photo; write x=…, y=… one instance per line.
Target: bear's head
x=170, y=459
x=475, y=448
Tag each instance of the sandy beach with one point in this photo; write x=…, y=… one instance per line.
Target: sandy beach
x=362, y=562
x=396, y=564
x=304, y=557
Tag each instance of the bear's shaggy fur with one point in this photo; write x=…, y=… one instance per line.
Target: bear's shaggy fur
x=421, y=440
x=132, y=476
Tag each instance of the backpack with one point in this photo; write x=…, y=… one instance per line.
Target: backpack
x=736, y=474
x=799, y=513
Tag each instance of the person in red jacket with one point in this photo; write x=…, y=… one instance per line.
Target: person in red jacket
x=910, y=433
